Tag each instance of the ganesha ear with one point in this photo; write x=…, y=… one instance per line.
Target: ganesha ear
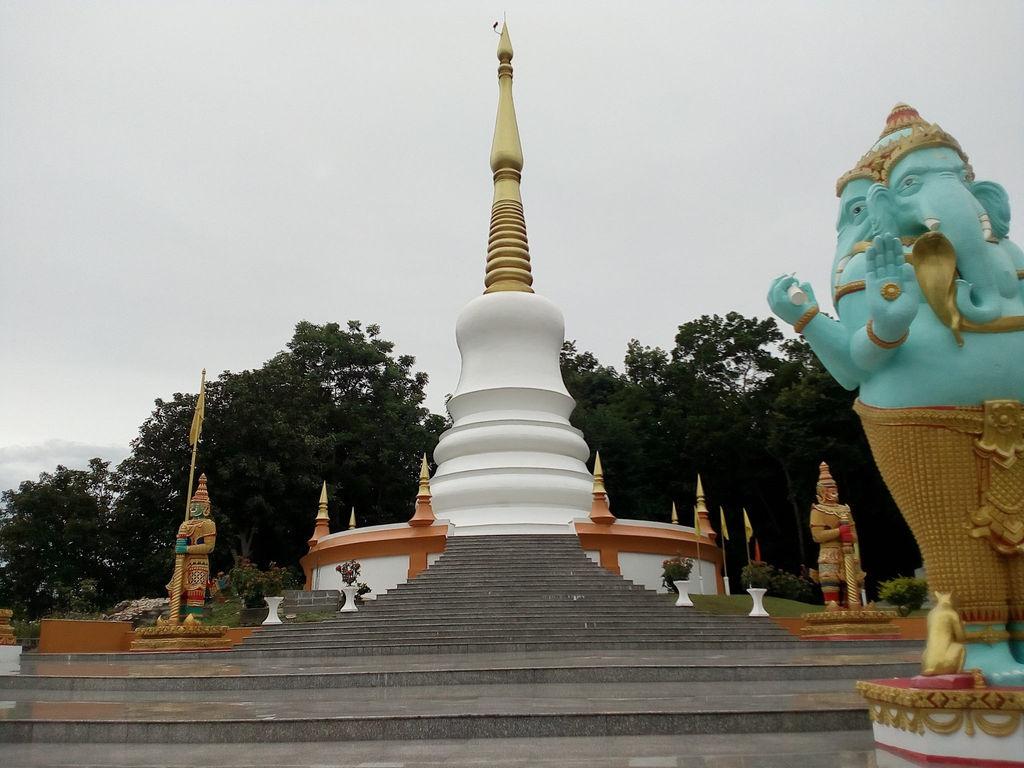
x=996, y=202
x=882, y=210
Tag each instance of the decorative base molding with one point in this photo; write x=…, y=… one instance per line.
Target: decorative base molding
x=967, y=726
x=860, y=624
x=188, y=636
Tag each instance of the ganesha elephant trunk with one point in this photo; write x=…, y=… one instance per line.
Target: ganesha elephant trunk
x=978, y=297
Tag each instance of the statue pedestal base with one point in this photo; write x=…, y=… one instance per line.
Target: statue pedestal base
x=187, y=636
x=858, y=624
x=10, y=659
x=966, y=726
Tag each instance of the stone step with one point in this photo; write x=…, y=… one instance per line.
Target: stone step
x=361, y=619
x=570, y=672
x=455, y=712
x=386, y=635
x=562, y=581
x=472, y=645
x=577, y=610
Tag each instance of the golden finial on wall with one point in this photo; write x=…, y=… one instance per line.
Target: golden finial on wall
x=352, y=519
x=424, y=512
x=675, y=515
x=600, y=509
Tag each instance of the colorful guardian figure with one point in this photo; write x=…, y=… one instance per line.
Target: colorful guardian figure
x=196, y=539
x=931, y=330
x=833, y=530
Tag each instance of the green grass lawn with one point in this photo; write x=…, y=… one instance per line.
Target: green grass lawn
x=740, y=605
x=226, y=614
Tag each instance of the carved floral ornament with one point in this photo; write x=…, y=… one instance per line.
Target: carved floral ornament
x=994, y=712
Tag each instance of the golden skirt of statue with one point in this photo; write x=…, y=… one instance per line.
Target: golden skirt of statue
x=957, y=477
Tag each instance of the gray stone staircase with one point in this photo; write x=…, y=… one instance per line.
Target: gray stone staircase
x=503, y=638
x=498, y=594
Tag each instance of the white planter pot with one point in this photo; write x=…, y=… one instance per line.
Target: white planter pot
x=350, y=599
x=684, y=600
x=758, y=595
x=273, y=603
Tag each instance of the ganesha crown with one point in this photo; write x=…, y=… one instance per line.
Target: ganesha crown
x=877, y=163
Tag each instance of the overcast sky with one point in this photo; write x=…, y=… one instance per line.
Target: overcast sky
x=181, y=182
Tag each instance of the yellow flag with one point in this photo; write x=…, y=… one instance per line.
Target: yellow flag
x=197, y=418
x=747, y=526
x=721, y=519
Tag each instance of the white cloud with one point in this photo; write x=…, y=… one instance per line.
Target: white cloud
x=184, y=181
x=24, y=462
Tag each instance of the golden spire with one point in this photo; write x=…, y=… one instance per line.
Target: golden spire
x=322, y=511
x=424, y=478
x=675, y=515
x=598, y=474
x=701, y=516
x=352, y=519
x=322, y=524
x=600, y=510
x=508, y=252
x=701, y=506
x=424, y=512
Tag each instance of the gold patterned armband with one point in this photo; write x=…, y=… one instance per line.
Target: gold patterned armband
x=882, y=342
x=805, y=318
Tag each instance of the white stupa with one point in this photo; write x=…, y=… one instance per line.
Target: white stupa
x=511, y=463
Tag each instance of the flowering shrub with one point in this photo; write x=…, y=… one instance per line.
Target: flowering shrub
x=675, y=569
x=906, y=593
x=779, y=583
x=252, y=585
x=349, y=571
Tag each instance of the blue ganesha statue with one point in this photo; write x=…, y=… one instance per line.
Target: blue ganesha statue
x=928, y=289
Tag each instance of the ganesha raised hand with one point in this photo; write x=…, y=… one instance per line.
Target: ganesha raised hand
x=893, y=295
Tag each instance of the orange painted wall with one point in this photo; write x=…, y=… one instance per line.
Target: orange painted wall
x=610, y=540
x=416, y=542
x=74, y=636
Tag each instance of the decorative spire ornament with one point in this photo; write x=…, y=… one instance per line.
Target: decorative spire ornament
x=424, y=514
x=675, y=515
x=352, y=519
x=508, y=251
x=600, y=510
x=322, y=526
x=701, y=516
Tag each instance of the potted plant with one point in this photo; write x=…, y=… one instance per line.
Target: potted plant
x=758, y=577
x=247, y=584
x=349, y=571
x=675, y=576
x=274, y=579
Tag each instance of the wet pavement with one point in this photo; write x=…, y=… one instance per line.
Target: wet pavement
x=841, y=749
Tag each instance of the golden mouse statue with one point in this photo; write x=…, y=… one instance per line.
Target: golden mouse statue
x=944, y=651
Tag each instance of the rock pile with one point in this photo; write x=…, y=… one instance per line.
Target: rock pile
x=139, y=612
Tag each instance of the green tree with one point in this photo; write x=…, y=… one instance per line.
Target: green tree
x=56, y=542
x=754, y=415
x=336, y=405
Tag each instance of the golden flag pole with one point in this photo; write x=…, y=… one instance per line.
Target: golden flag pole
x=748, y=533
x=193, y=437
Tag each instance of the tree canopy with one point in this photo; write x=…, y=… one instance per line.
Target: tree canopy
x=754, y=414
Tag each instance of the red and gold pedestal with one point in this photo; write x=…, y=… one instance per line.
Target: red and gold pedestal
x=949, y=719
